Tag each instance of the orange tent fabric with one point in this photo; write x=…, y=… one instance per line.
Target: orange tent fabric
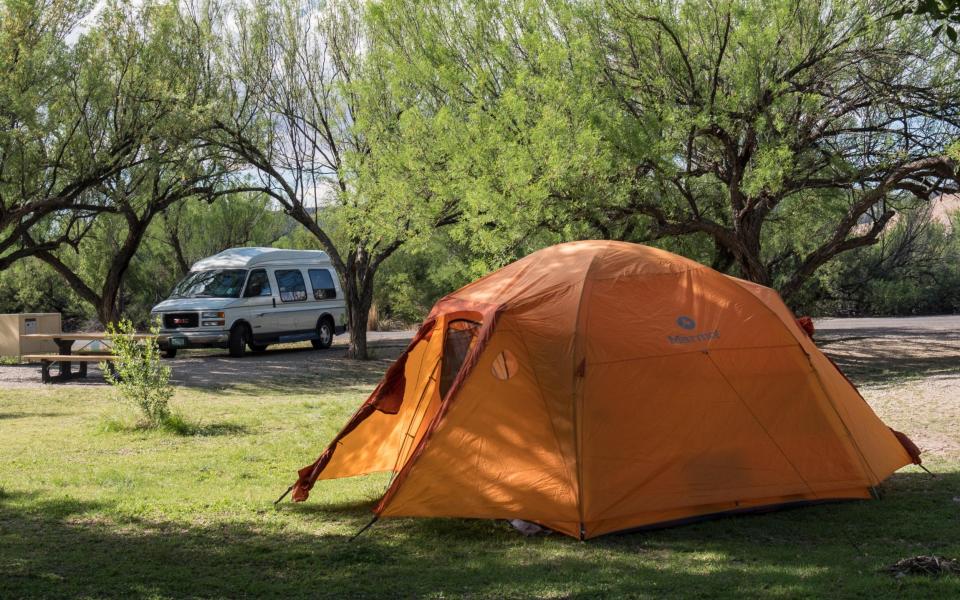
x=600, y=386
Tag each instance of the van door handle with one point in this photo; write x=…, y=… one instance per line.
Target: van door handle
x=274, y=302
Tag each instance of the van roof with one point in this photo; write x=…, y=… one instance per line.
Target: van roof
x=245, y=258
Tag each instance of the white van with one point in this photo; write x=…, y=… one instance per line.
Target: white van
x=253, y=297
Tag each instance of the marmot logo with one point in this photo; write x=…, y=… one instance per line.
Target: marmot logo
x=689, y=339
x=685, y=322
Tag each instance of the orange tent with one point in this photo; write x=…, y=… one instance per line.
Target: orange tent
x=597, y=386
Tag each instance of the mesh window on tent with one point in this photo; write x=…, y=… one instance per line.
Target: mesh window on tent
x=460, y=337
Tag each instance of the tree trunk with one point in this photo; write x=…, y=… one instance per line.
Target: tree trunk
x=359, y=299
x=106, y=300
x=723, y=258
x=752, y=268
x=739, y=248
x=182, y=265
x=747, y=230
x=357, y=315
x=107, y=310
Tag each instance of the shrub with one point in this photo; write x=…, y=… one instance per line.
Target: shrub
x=138, y=376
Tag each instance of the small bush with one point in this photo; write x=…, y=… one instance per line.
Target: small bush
x=138, y=375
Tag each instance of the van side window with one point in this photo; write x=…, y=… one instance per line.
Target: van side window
x=291, y=284
x=322, y=284
x=258, y=284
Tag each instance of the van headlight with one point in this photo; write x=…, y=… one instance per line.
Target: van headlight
x=217, y=316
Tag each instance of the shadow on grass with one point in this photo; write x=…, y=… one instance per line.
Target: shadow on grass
x=174, y=425
x=180, y=425
x=64, y=547
x=30, y=415
x=326, y=509
x=890, y=356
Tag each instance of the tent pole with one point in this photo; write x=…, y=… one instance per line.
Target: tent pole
x=850, y=541
x=365, y=527
x=282, y=496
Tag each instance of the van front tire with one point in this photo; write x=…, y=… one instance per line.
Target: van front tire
x=170, y=353
x=237, y=344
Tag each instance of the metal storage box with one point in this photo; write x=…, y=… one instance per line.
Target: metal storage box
x=12, y=327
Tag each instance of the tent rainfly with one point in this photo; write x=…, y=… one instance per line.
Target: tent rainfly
x=598, y=386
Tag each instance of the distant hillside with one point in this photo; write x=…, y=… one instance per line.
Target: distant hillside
x=942, y=211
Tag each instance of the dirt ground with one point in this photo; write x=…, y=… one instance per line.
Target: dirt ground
x=284, y=366
x=908, y=369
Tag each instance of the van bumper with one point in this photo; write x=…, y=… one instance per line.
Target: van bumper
x=193, y=339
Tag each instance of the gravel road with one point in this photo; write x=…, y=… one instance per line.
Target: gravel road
x=870, y=350
x=280, y=366
x=949, y=324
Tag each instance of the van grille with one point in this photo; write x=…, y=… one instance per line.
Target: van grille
x=181, y=320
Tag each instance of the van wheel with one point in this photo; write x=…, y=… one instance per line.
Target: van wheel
x=324, y=335
x=170, y=353
x=258, y=347
x=237, y=344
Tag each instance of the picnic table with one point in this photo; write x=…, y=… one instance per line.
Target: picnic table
x=65, y=356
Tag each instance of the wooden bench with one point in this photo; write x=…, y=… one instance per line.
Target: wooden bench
x=64, y=364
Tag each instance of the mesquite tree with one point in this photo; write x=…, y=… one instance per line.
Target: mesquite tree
x=766, y=107
x=55, y=143
x=302, y=94
x=141, y=65
x=776, y=134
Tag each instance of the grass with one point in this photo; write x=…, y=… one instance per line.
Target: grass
x=91, y=506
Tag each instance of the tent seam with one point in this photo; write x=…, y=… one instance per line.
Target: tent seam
x=578, y=396
x=758, y=422
x=789, y=326
x=874, y=480
x=553, y=428
x=553, y=288
x=685, y=352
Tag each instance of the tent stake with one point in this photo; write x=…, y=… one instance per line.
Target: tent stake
x=931, y=473
x=365, y=527
x=282, y=496
x=850, y=541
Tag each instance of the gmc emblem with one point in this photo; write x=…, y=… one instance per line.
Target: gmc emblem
x=180, y=321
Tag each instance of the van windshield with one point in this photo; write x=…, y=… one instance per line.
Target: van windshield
x=214, y=283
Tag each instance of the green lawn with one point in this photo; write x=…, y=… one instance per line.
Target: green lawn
x=90, y=512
